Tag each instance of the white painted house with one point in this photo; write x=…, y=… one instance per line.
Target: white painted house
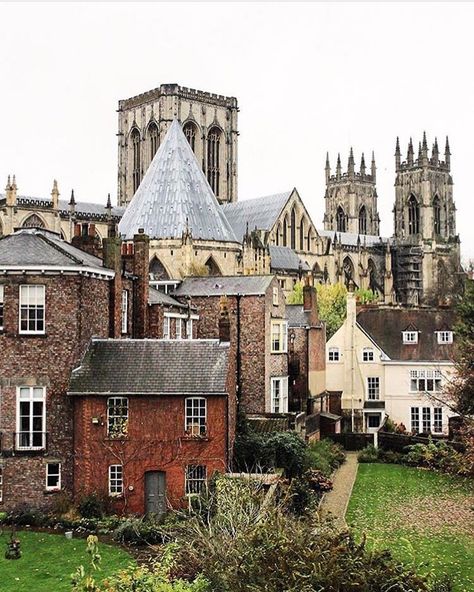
x=392, y=361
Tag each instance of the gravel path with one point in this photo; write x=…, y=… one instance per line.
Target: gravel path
x=334, y=504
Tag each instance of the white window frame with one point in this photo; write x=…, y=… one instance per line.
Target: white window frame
x=195, y=416
x=33, y=397
x=334, y=354
x=124, y=311
x=57, y=474
x=194, y=484
x=115, y=480
x=26, y=291
x=424, y=415
x=276, y=297
x=166, y=328
x=444, y=337
x=373, y=388
x=368, y=354
x=368, y=416
x=114, y=418
x=437, y=420
x=415, y=420
x=279, y=394
x=179, y=328
x=189, y=329
x=1, y=484
x=2, y=306
x=279, y=339
x=426, y=381
x=410, y=337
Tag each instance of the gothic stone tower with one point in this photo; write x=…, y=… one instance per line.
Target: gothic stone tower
x=428, y=251
x=351, y=199
x=209, y=122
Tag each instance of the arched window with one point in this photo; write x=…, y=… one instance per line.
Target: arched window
x=1, y=229
x=293, y=229
x=285, y=232
x=190, y=132
x=373, y=278
x=437, y=215
x=310, y=236
x=277, y=235
x=153, y=138
x=340, y=220
x=413, y=216
x=33, y=221
x=213, y=164
x=212, y=267
x=302, y=234
x=136, y=166
x=362, y=220
x=157, y=270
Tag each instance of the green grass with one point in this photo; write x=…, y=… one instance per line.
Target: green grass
x=48, y=560
x=424, y=517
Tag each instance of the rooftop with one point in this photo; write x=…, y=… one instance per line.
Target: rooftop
x=247, y=285
x=152, y=367
x=285, y=259
x=174, y=197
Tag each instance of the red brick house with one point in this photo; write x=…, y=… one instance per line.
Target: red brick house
x=153, y=420
x=53, y=299
x=258, y=334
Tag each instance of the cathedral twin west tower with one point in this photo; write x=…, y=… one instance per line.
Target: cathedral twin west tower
x=177, y=182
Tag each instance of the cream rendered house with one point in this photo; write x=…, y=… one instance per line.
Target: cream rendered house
x=395, y=362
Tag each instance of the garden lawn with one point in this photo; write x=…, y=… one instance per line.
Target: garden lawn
x=48, y=560
x=425, y=518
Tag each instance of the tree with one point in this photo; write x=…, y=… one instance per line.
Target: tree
x=332, y=300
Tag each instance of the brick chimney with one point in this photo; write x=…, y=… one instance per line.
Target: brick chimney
x=113, y=260
x=141, y=262
x=310, y=301
x=86, y=241
x=224, y=321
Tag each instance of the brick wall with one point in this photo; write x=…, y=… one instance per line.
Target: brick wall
x=156, y=441
x=76, y=309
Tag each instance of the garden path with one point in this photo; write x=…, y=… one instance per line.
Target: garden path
x=334, y=503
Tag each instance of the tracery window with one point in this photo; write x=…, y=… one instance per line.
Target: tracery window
x=437, y=215
x=33, y=221
x=213, y=164
x=413, y=216
x=362, y=220
x=136, y=173
x=341, y=220
x=285, y=232
x=293, y=229
x=153, y=139
x=189, y=130
x=302, y=234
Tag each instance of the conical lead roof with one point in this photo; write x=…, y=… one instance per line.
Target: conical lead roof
x=174, y=196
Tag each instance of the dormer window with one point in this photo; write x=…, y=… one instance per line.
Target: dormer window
x=410, y=337
x=444, y=337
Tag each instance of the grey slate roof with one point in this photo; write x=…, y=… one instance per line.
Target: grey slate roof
x=157, y=297
x=87, y=209
x=385, y=326
x=296, y=316
x=248, y=285
x=260, y=213
x=350, y=239
x=152, y=367
x=174, y=196
x=286, y=259
x=34, y=247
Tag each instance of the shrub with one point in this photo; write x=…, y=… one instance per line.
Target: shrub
x=389, y=456
x=302, y=499
x=93, y=505
x=325, y=456
x=438, y=455
x=138, y=531
x=368, y=455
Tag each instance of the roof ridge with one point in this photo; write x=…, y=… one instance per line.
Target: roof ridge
x=57, y=248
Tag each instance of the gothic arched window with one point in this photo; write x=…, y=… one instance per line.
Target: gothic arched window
x=413, y=216
x=212, y=267
x=437, y=215
x=190, y=132
x=362, y=220
x=302, y=234
x=33, y=221
x=153, y=139
x=310, y=236
x=157, y=270
x=373, y=277
x=213, y=164
x=285, y=232
x=341, y=220
x=293, y=229
x=136, y=166
x=277, y=234
x=348, y=268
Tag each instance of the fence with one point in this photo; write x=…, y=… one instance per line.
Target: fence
x=386, y=441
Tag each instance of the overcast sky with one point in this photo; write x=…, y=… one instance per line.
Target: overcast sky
x=309, y=78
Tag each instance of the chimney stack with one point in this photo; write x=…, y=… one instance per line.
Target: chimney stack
x=113, y=260
x=224, y=320
x=310, y=301
x=141, y=263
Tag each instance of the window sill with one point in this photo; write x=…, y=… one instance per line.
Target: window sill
x=191, y=438
x=52, y=491
x=30, y=335
x=123, y=438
